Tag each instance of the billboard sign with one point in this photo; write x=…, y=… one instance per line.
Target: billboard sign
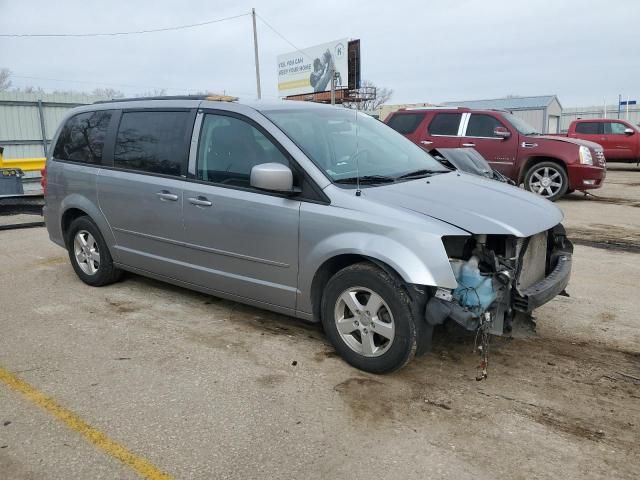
x=309, y=70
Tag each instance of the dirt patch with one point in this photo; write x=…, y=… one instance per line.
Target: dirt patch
x=608, y=237
x=271, y=380
x=324, y=355
x=600, y=199
x=564, y=424
x=123, y=306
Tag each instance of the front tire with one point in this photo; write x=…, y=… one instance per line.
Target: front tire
x=368, y=317
x=547, y=179
x=89, y=254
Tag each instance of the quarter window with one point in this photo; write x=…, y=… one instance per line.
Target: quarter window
x=230, y=147
x=153, y=141
x=405, y=123
x=82, y=138
x=482, y=126
x=615, y=128
x=445, y=124
x=589, y=128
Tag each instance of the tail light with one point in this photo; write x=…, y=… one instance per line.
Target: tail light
x=43, y=180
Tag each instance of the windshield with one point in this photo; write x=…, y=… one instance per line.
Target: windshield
x=523, y=127
x=345, y=144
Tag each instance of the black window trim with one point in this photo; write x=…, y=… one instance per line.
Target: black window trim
x=105, y=143
x=318, y=196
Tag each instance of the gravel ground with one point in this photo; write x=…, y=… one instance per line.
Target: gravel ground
x=206, y=388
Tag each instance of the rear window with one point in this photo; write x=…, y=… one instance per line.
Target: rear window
x=153, y=141
x=589, y=128
x=405, y=123
x=445, y=124
x=82, y=138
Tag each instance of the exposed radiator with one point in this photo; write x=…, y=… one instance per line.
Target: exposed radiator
x=534, y=261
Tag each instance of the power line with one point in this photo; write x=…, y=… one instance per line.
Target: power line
x=281, y=36
x=115, y=34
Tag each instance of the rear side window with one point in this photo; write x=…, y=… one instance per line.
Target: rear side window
x=405, y=123
x=445, y=124
x=153, y=141
x=82, y=138
x=614, y=128
x=481, y=125
x=589, y=128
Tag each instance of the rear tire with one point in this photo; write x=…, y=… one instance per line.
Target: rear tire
x=368, y=317
x=89, y=254
x=547, y=179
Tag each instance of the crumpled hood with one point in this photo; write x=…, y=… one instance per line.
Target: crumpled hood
x=472, y=203
x=575, y=141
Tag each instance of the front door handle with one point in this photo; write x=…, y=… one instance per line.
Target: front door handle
x=426, y=142
x=166, y=195
x=200, y=201
x=468, y=144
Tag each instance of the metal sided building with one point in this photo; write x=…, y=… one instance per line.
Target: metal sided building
x=541, y=112
x=28, y=121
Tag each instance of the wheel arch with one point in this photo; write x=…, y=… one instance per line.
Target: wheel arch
x=75, y=206
x=536, y=159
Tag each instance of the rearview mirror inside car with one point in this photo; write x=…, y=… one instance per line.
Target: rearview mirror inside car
x=274, y=177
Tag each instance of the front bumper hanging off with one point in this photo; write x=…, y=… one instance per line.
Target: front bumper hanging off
x=542, y=292
x=550, y=251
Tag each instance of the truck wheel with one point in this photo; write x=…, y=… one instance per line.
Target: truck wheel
x=89, y=254
x=547, y=179
x=367, y=316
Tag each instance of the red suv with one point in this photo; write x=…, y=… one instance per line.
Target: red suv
x=548, y=165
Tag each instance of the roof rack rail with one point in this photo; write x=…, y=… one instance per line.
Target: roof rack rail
x=212, y=97
x=435, y=107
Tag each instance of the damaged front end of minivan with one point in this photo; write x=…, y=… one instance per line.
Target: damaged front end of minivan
x=501, y=277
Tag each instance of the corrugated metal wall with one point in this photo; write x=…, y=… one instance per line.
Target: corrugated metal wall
x=535, y=118
x=20, y=123
x=571, y=114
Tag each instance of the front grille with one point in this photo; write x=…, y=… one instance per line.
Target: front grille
x=600, y=160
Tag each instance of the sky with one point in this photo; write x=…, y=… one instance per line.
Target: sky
x=587, y=52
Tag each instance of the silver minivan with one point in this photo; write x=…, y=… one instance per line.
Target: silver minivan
x=318, y=212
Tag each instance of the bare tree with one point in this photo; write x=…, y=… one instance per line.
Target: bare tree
x=382, y=95
x=107, y=92
x=156, y=92
x=5, y=83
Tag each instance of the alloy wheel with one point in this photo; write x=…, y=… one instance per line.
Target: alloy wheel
x=87, y=252
x=546, y=181
x=364, y=321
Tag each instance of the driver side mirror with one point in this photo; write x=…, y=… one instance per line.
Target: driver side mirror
x=273, y=177
x=501, y=132
x=629, y=131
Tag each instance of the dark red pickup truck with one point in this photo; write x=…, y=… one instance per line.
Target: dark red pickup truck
x=548, y=165
x=619, y=139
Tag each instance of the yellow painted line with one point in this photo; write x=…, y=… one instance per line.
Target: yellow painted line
x=71, y=420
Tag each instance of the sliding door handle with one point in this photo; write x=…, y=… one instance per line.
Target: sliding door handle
x=166, y=195
x=200, y=201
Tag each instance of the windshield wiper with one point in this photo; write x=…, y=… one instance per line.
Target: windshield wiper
x=367, y=179
x=420, y=173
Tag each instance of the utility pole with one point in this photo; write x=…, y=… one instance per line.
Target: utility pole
x=333, y=86
x=255, y=52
